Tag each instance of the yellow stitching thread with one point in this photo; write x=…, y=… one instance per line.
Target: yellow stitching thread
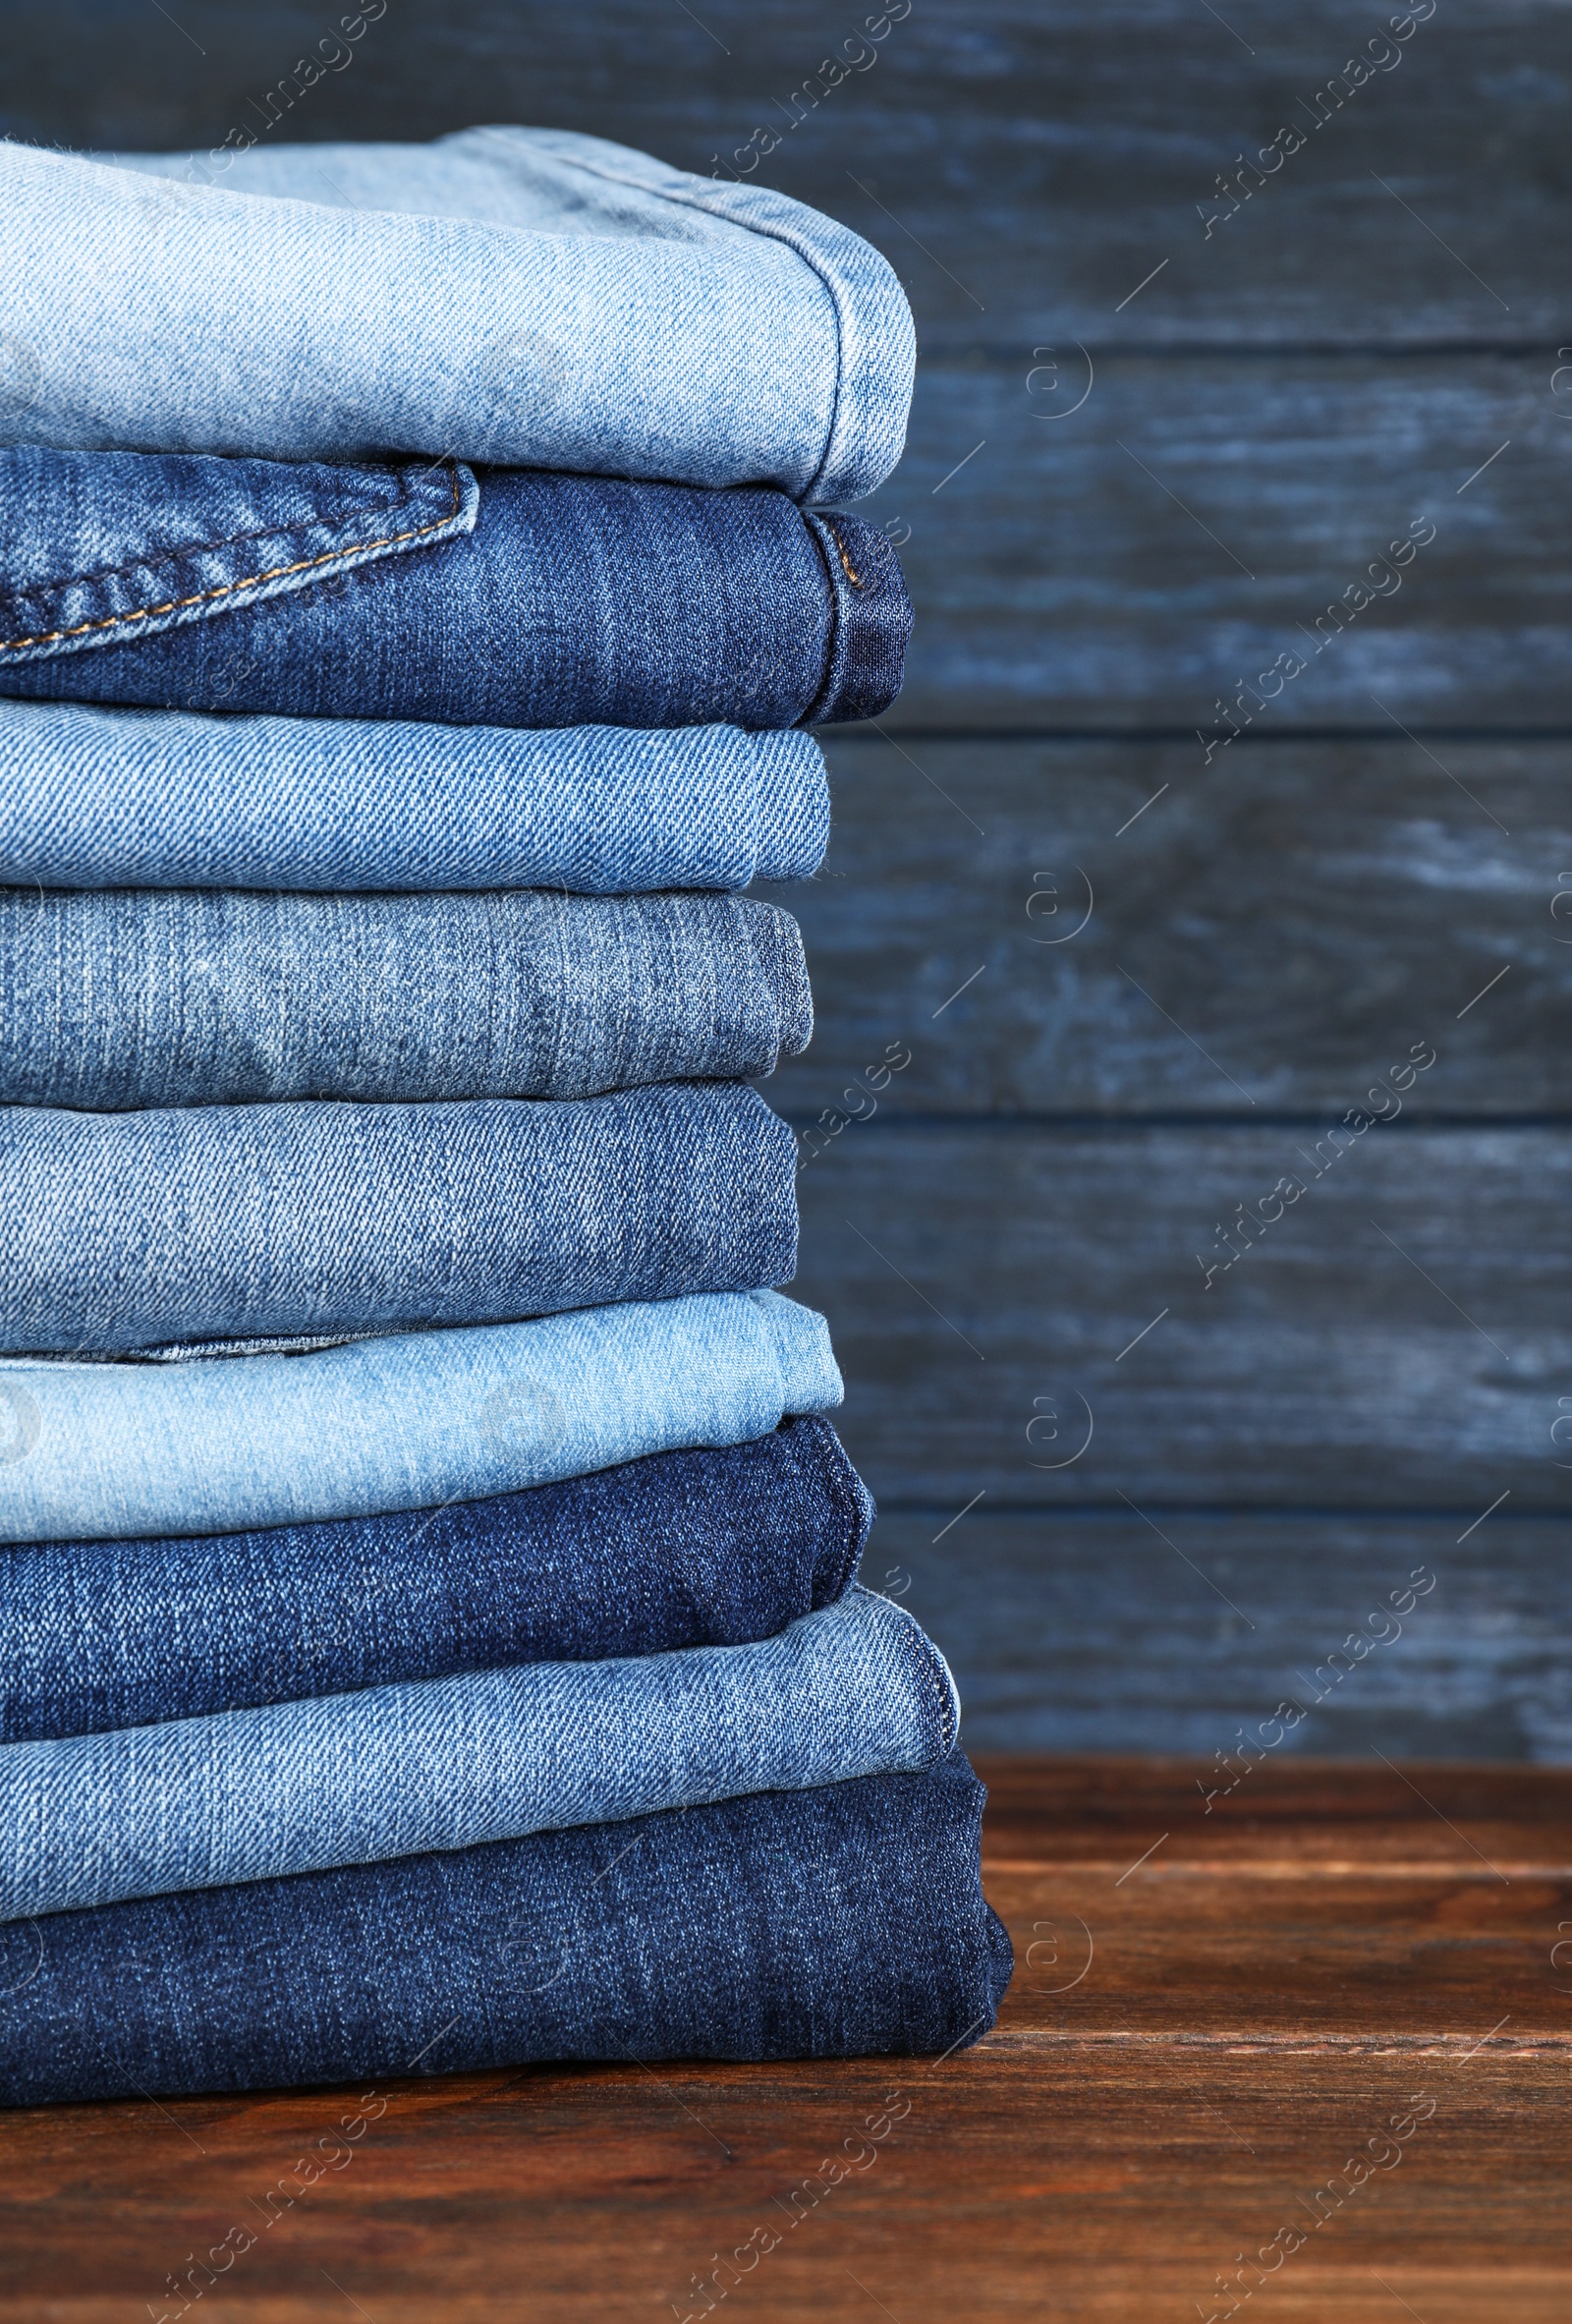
x=255, y=581
x=853, y=578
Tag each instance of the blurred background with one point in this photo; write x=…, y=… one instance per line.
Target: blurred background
x=1220, y=844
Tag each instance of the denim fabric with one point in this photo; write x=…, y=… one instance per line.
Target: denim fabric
x=854, y=1689
x=202, y=1224
x=829, y=1923
x=116, y=998
x=103, y=1450
x=713, y=1547
x=94, y=798
x=525, y=297
x=529, y=600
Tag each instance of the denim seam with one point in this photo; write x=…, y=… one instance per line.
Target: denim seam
x=824, y=1446
x=823, y=694
x=840, y=551
x=766, y=234
x=924, y=1654
x=842, y=1482
x=228, y=588
x=921, y=1651
x=197, y=548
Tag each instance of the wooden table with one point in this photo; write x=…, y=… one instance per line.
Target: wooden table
x=1214, y=2013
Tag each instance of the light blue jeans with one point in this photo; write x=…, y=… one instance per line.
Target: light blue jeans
x=854, y=1689
x=415, y=1421
x=93, y=798
x=525, y=297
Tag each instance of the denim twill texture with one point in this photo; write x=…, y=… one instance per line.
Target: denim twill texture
x=528, y=599
x=529, y=297
x=854, y=1689
x=113, y=998
x=713, y=1547
x=93, y=798
x=98, y=1452
x=204, y=1224
x=838, y=1922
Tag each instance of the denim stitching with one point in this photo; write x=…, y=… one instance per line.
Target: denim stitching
x=227, y=588
x=195, y=548
x=817, y=529
x=791, y=237
x=840, y=551
x=922, y=1650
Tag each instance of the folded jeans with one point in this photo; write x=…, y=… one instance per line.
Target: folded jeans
x=853, y=1689
x=415, y=1421
x=180, y=997
x=93, y=798
x=513, y=599
x=712, y=1546
x=529, y=297
x=838, y=1922
x=203, y=1226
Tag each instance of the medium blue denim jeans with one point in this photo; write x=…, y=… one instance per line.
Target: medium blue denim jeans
x=98, y=1452
x=93, y=798
x=854, y=1689
x=517, y=599
x=211, y=1225
x=527, y=298
x=709, y=1547
x=129, y=997
x=829, y=1923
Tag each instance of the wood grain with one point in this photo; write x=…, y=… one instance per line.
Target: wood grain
x=1162, y=555
x=1088, y=1630
x=1302, y=911
x=1399, y=1338
x=1275, y=1987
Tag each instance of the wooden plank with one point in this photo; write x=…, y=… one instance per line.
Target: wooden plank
x=1268, y=1995
x=1123, y=2176
x=1026, y=165
x=1305, y=912
x=1051, y=1809
x=1397, y=1337
x=1162, y=556
x=1086, y=1631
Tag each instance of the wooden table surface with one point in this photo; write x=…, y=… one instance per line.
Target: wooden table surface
x=1334, y=1981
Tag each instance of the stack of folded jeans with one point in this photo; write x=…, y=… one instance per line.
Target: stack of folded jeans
x=429, y=1626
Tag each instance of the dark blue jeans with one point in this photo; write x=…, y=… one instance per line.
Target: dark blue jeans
x=827, y=1923
x=303, y=1223
x=511, y=599
x=713, y=1547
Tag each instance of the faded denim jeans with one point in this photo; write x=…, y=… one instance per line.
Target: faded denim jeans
x=854, y=1689
x=219, y=1226
x=93, y=798
x=181, y=997
x=525, y=298
x=100, y=1451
